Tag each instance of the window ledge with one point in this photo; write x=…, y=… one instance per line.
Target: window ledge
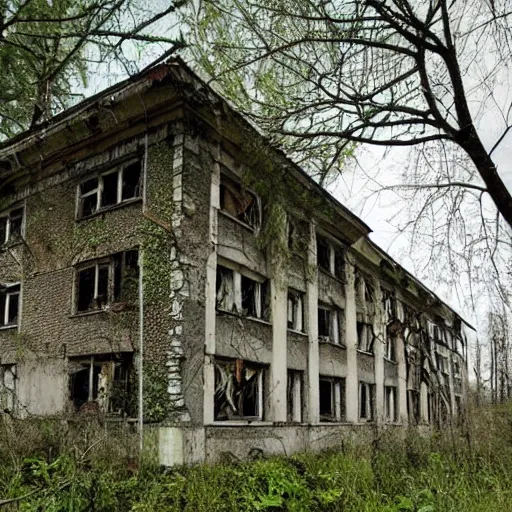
x=333, y=276
x=300, y=333
x=222, y=312
x=238, y=221
x=88, y=313
x=11, y=244
x=117, y=206
x=366, y=352
x=338, y=345
x=390, y=361
x=240, y=423
x=8, y=327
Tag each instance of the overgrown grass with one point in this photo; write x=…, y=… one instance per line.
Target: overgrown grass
x=468, y=472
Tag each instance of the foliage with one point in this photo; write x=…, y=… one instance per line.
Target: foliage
x=47, y=48
x=440, y=473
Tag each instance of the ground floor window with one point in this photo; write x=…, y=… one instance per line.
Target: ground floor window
x=238, y=390
x=332, y=399
x=390, y=404
x=295, y=395
x=101, y=382
x=366, y=401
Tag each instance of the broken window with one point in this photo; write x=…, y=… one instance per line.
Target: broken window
x=366, y=401
x=102, y=382
x=114, y=279
x=238, y=390
x=365, y=337
x=413, y=406
x=294, y=396
x=237, y=293
x=390, y=404
x=11, y=226
x=339, y=263
x=323, y=253
x=7, y=388
x=390, y=348
x=442, y=363
x=329, y=320
x=238, y=202
x=111, y=188
x=332, y=399
x=9, y=305
x=295, y=310
x=389, y=302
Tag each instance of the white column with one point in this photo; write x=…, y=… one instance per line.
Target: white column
x=279, y=367
x=313, y=385
x=210, y=313
x=378, y=350
x=403, y=416
x=352, y=383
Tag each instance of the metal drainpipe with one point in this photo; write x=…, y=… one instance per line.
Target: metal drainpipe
x=141, y=306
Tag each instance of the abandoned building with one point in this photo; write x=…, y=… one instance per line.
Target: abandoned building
x=160, y=260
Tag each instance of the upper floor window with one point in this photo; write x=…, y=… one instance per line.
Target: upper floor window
x=9, y=305
x=330, y=324
x=238, y=202
x=330, y=257
x=106, y=281
x=239, y=293
x=295, y=310
x=11, y=225
x=110, y=188
x=365, y=337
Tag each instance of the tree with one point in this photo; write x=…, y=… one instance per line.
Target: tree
x=323, y=76
x=47, y=46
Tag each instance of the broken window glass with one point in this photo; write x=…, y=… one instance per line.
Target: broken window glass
x=366, y=401
x=9, y=305
x=294, y=396
x=323, y=253
x=296, y=310
x=225, y=289
x=390, y=404
x=107, y=281
x=110, y=188
x=239, y=202
x=365, y=337
x=131, y=183
x=101, y=381
x=238, y=390
x=252, y=298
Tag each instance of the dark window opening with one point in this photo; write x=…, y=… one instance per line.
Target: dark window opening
x=391, y=347
x=323, y=253
x=239, y=202
x=324, y=322
x=11, y=226
x=3, y=230
x=238, y=390
x=252, y=298
x=365, y=337
x=101, y=383
x=339, y=264
x=109, y=189
x=296, y=311
x=326, y=399
x=9, y=305
x=131, y=187
x=115, y=279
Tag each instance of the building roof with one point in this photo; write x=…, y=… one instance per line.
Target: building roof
x=58, y=128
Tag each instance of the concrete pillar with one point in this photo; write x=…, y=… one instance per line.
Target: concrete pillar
x=403, y=416
x=210, y=312
x=352, y=382
x=313, y=385
x=279, y=367
x=379, y=330
x=451, y=385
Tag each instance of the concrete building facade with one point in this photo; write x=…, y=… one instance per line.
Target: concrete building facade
x=160, y=262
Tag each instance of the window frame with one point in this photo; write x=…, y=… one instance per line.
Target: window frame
x=367, y=331
x=98, y=190
x=297, y=300
x=338, y=399
x=110, y=262
x=336, y=322
x=4, y=315
x=7, y=217
x=369, y=390
x=336, y=249
x=257, y=201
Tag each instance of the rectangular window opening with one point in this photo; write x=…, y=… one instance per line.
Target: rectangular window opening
x=9, y=305
x=296, y=310
x=366, y=401
x=390, y=404
x=365, y=337
x=238, y=202
x=294, y=396
x=332, y=399
x=11, y=226
x=238, y=390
